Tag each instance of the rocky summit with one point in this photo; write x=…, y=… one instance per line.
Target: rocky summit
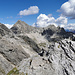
x=27, y=50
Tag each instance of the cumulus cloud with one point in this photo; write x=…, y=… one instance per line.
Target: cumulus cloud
x=31, y=10
x=49, y=15
x=68, y=9
x=70, y=26
x=8, y=25
x=45, y=20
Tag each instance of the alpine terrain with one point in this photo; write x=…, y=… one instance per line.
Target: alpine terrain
x=27, y=50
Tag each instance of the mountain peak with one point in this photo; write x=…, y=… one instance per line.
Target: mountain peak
x=19, y=20
x=21, y=27
x=20, y=23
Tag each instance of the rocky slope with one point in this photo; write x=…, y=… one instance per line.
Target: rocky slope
x=27, y=50
x=58, y=60
x=53, y=33
x=21, y=27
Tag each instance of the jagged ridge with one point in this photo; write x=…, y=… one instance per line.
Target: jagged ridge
x=40, y=51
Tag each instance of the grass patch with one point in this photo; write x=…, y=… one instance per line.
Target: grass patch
x=26, y=73
x=14, y=71
x=58, y=46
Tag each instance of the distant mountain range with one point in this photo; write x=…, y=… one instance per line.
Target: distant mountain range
x=70, y=30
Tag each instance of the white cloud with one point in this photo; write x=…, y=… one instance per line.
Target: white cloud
x=8, y=25
x=31, y=10
x=68, y=9
x=62, y=20
x=44, y=20
x=49, y=15
x=70, y=26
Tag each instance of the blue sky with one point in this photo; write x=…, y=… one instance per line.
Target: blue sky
x=10, y=10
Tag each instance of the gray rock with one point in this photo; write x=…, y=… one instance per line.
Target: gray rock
x=4, y=30
x=14, y=53
x=53, y=33
x=21, y=27
x=5, y=66
x=36, y=51
x=60, y=61
x=31, y=43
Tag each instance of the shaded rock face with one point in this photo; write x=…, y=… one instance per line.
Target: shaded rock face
x=31, y=43
x=48, y=32
x=59, y=33
x=73, y=38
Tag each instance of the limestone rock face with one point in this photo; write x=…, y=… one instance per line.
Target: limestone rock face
x=21, y=27
x=12, y=51
x=5, y=65
x=58, y=60
x=27, y=50
x=31, y=43
x=4, y=30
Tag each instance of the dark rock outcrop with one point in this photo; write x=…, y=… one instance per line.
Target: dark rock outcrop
x=53, y=33
x=31, y=43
